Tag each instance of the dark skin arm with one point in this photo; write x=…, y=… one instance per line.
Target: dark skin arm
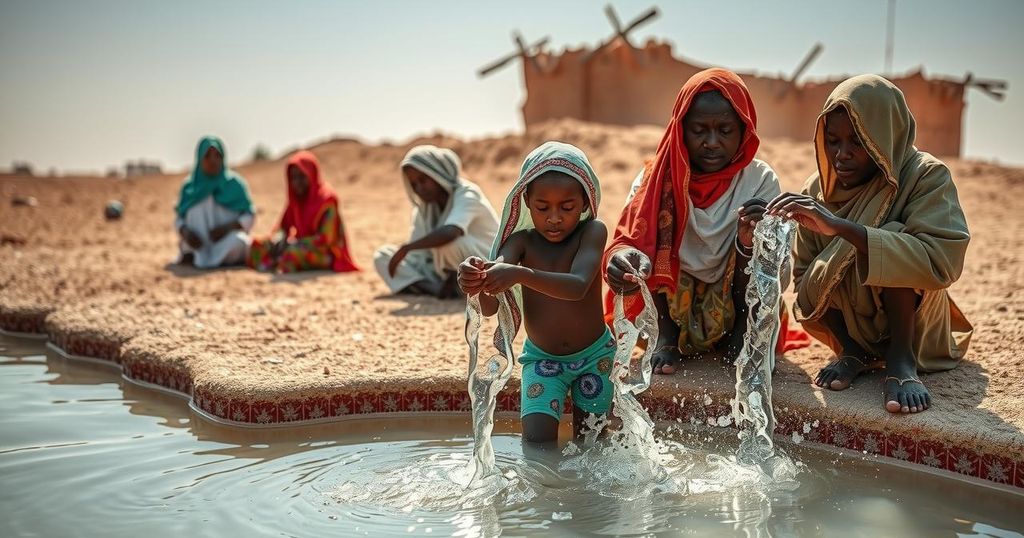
x=219, y=232
x=621, y=265
x=571, y=286
x=624, y=262
x=280, y=239
x=752, y=212
x=437, y=238
x=473, y=272
x=280, y=242
x=191, y=238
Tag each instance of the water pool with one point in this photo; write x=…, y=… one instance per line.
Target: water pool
x=85, y=453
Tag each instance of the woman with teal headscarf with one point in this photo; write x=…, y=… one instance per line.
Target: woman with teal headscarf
x=214, y=211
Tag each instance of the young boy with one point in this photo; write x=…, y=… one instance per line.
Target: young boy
x=551, y=258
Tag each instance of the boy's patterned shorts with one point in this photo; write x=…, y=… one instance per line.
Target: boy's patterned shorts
x=548, y=378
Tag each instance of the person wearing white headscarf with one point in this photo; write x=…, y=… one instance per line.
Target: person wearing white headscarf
x=451, y=221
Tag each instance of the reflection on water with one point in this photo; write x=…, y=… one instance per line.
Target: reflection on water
x=84, y=453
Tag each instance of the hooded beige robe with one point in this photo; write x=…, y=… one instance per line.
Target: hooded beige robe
x=916, y=231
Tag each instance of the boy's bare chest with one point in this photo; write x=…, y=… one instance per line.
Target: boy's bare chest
x=545, y=256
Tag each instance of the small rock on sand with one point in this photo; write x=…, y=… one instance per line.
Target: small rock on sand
x=114, y=210
x=27, y=201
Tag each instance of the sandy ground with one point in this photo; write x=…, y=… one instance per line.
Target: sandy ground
x=241, y=332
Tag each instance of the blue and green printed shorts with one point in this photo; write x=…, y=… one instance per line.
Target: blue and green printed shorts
x=548, y=378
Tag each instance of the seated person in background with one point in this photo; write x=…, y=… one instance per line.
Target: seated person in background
x=452, y=220
x=214, y=211
x=311, y=234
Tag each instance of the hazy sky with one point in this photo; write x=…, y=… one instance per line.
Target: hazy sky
x=88, y=84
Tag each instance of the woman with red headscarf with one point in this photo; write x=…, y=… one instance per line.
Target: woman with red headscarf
x=687, y=228
x=311, y=234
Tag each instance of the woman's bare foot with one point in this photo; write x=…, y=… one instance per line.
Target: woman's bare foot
x=666, y=358
x=904, y=392
x=840, y=373
x=906, y=395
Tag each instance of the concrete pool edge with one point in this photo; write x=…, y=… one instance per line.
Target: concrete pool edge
x=24, y=335
x=27, y=323
x=927, y=451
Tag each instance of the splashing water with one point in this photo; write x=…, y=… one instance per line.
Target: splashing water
x=637, y=428
x=631, y=463
x=632, y=455
x=454, y=481
x=486, y=379
x=752, y=408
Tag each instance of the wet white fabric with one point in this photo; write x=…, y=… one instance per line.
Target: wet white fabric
x=707, y=242
x=203, y=218
x=486, y=379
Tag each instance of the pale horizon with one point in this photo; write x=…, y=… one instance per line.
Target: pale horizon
x=87, y=87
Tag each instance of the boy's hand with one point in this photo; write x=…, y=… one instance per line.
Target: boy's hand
x=472, y=275
x=500, y=277
x=621, y=267
x=807, y=212
x=750, y=214
x=191, y=238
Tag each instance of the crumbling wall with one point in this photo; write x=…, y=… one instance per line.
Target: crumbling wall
x=636, y=86
x=558, y=84
x=938, y=107
x=622, y=85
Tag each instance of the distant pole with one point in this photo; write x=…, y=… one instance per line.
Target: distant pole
x=890, y=35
